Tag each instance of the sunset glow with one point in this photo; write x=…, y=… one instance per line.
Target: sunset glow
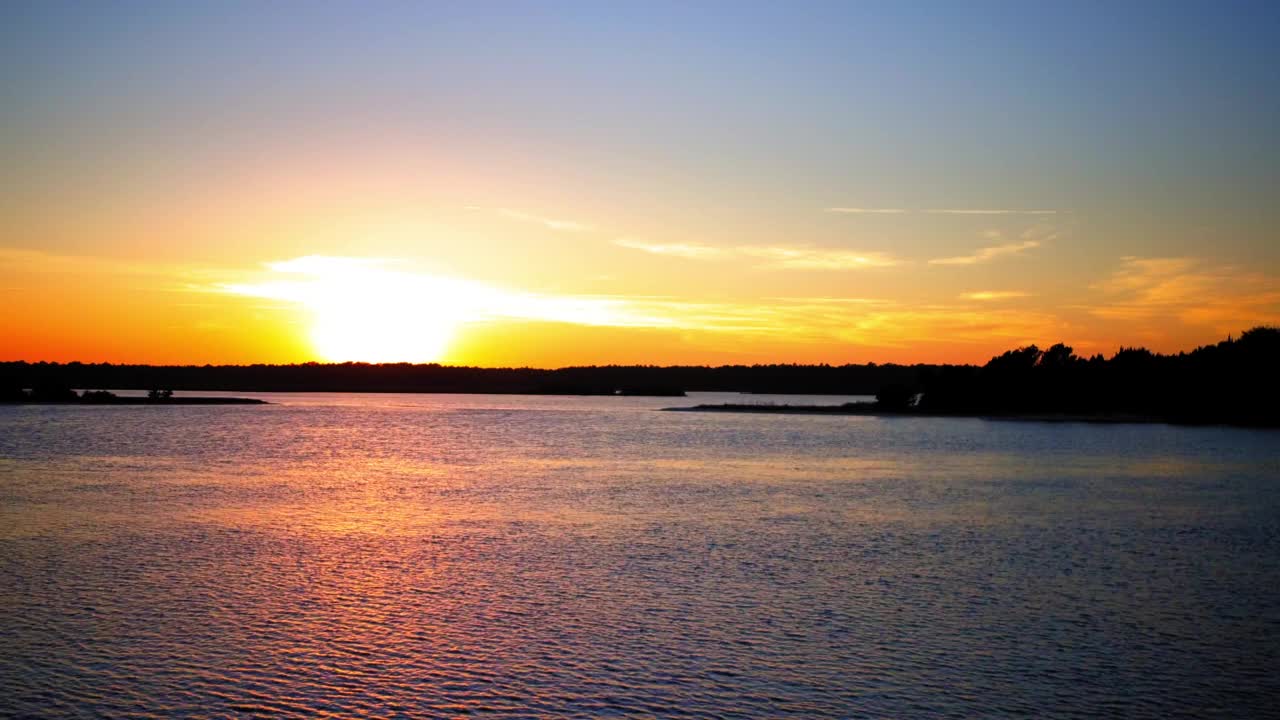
x=367, y=310
x=361, y=311
x=613, y=191
x=786, y=360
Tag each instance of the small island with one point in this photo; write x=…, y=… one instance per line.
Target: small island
x=67, y=396
x=878, y=410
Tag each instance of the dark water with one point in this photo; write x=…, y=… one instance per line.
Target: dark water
x=422, y=556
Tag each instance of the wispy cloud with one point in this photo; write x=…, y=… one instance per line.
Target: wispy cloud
x=987, y=254
x=1187, y=290
x=171, y=276
x=778, y=256
x=939, y=211
x=820, y=300
x=684, y=250
x=556, y=224
x=803, y=258
x=969, y=211
x=992, y=295
x=781, y=257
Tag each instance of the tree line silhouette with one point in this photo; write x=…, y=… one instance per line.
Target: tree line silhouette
x=1232, y=381
x=405, y=377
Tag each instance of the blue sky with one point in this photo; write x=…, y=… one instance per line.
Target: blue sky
x=1149, y=129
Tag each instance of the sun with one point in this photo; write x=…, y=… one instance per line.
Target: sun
x=363, y=311
x=373, y=332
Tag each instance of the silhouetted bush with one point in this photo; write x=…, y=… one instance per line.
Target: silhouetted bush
x=896, y=396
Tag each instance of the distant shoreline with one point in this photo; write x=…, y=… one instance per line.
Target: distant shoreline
x=143, y=401
x=871, y=410
x=1232, y=382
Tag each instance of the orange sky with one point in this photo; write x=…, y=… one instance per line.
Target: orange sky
x=340, y=308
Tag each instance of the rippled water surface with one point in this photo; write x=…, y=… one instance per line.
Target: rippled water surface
x=424, y=556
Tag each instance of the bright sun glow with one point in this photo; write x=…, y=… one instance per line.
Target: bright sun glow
x=362, y=310
x=365, y=331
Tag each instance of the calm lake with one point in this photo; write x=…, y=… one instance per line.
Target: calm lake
x=506, y=556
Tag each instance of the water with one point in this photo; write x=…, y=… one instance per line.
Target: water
x=503, y=556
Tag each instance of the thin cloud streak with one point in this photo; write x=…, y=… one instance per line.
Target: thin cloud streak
x=777, y=257
x=939, y=211
x=992, y=295
x=962, y=211
x=547, y=222
x=684, y=250
x=829, y=300
x=867, y=211
x=789, y=258
x=987, y=254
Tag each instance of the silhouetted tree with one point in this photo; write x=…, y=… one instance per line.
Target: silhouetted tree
x=1058, y=356
x=1018, y=360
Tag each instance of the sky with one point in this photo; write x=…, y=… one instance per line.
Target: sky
x=551, y=184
